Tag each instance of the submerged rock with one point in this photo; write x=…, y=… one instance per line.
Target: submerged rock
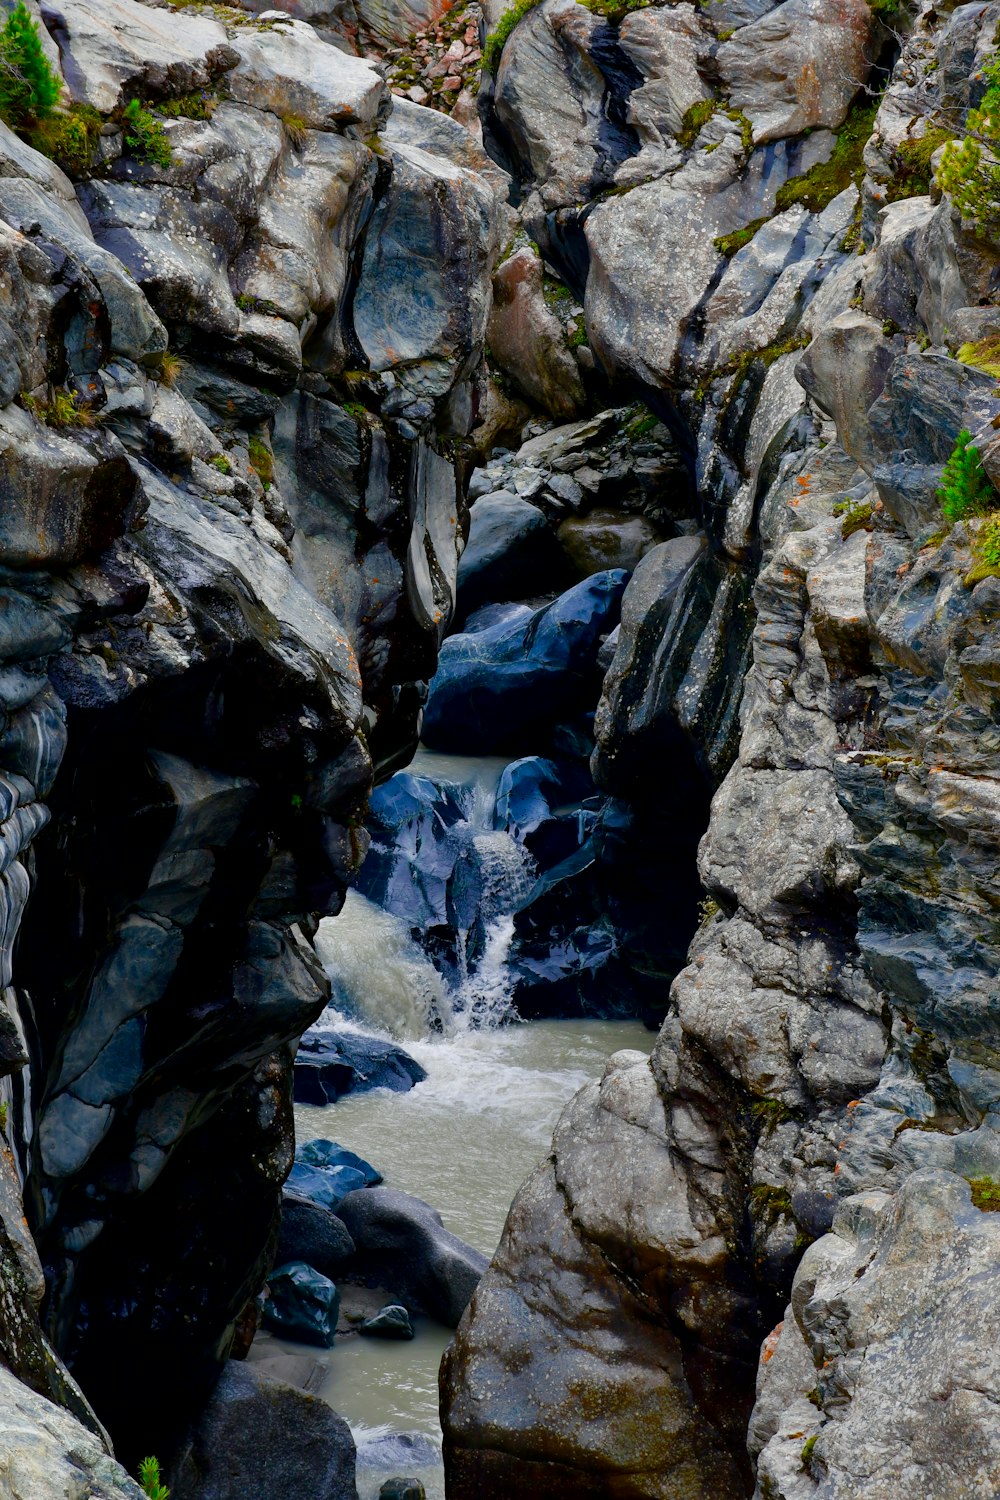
x=330, y=1063
x=391, y=1322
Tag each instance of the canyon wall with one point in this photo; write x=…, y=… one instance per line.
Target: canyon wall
x=743, y=194
x=239, y=357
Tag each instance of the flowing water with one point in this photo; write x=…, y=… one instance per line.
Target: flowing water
x=463, y=1140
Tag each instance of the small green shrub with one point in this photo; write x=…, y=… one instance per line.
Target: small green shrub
x=151, y=1480
x=198, y=105
x=857, y=516
x=60, y=408
x=807, y=1450
x=221, y=462
x=29, y=89
x=970, y=172
x=965, y=489
x=297, y=131
x=69, y=138
x=262, y=461
x=499, y=36
x=170, y=367
x=145, y=137
x=912, y=160
x=708, y=910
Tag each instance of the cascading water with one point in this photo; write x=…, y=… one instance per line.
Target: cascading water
x=466, y=1137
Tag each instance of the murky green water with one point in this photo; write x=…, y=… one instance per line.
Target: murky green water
x=464, y=1141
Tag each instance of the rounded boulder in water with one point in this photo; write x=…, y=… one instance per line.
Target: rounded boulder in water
x=402, y=1489
x=325, y=1186
x=328, y=1154
x=314, y=1235
x=302, y=1304
x=392, y=1322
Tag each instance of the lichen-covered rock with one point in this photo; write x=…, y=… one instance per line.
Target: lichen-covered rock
x=889, y=1309
x=46, y=1454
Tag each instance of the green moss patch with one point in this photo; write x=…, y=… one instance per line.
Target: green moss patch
x=985, y=1194
x=498, y=38
x=819, y=186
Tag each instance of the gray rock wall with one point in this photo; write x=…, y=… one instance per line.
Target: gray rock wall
x=825, y=1076
x=223, y=580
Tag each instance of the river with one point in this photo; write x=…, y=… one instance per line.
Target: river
x=463, y=1140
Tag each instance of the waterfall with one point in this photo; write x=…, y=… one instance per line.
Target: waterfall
x=381, y=975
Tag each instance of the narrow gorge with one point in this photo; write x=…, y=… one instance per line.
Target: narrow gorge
x=499, y=749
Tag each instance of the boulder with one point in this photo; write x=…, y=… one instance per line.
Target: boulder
x=799, y=66
x=510, y=553
x=402, y=1489
x=302, y=1304
x=527, y=341
x=403, y=1243
x=258, y=1436
x=328, y=1154
x=313, y=1235
x=330, y=1063
x=46, y=1454
x=885, y=1361
x=502, y=686
x=323, y=1185
x=606, y=539
x=390, y=1322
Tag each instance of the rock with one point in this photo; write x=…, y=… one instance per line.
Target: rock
x=510, y=553
x=325, y=1186
x=49, y=1455
x=302, y=1304
x=527, y=341
x=261, y=1434
x=402, y=1489
x=328, y=1154
x=548, y=97
x=564, y=1369
x=606, y=539
x=845, y=369
x=798, y=68
x=888, y=1269
x=498, y=687
x=312, y=1234
x=330, y=1063
x=402, y=1243
x=391, y=1322
x=64, y=498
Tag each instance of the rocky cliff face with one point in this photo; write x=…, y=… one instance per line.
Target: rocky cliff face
x=236, y=369
x=753, y=238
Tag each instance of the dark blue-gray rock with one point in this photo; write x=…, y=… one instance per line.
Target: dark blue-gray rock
x=390, y=1322
x=302, y=1304
x=402, y=1489
x=323, y=1185
x=503, y=686
x=332, y=1063
x=258, y=1436
x=415, y=847
x=511, y=553
x=540, y=802
x=313, y=1235
x=402, y=1243
x=328, y=1154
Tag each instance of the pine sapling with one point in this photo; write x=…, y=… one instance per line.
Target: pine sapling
x=965, y=489
x=29, y=89
x=151, y=1479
